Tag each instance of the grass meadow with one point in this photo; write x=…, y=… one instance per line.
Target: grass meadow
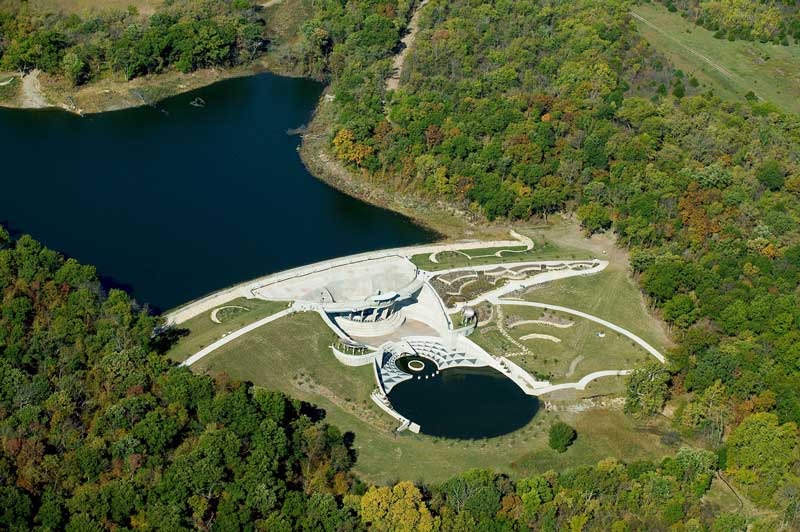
x=730, y=68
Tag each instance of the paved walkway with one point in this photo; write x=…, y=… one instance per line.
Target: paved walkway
x=234, y=335
x=495, y=300
x=539, y=278
x=246, y=289
x=581, y=384
x=528, y=242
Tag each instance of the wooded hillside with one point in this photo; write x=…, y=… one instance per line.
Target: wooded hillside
x=100, y=432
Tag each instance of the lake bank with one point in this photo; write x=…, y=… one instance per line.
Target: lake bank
x=108, y=95
x=177, y=201
x=438, y=215
x=111, y=96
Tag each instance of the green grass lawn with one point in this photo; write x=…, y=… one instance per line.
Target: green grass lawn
x=203, y=332
x=730, y=68
x=145, y=7
x=611, y=295
x=292, y=355
x=543, y=250
x=614, y=351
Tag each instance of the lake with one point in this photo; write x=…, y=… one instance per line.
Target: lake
x=465, y=403
x=176, y=201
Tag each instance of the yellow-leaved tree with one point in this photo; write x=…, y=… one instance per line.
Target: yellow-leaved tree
x=397, y=509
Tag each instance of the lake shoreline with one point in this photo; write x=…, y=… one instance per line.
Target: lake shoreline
x=442, y=217
x=226, y=177
x=110, y=95
x=106, y=96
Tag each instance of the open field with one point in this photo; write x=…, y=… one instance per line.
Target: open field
x=203, y=332
x=292, y=355
x=81, y=7
x=611, y=295
x=731, y=69
x=579, y=352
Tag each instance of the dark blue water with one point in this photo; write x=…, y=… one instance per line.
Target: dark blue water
x=465, y=403
x=176, y=201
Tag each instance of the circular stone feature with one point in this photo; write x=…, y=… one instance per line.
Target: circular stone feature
x=416, y=365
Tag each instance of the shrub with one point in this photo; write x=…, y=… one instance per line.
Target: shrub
x=771, y=175
x=561, y=436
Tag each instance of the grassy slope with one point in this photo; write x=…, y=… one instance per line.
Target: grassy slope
x=611, y=295
x=91, y=6
x=292, y=355
x=614, y=351
x=201, y=331
x=740, y=65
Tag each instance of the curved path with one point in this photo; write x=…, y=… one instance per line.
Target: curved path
x=527, y=241
x=496, y=300
x=583, y=383
x=540, y=278
x=245, y=289
x=574, y=364
x=541, y=322
x=234, y=335
x=538, y=336
x=214, y=312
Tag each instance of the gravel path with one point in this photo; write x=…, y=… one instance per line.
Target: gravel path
x=573, y=365
x=407, y=42
x=32, y=97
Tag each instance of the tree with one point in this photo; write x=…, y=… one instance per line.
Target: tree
x=680, y=310
x=396, y=509
x=760, y=452
x=647, y=390
x=710, y=412
x=771, y=174
x=561, y=436
x=594, y=217
x=74, y=68
x=474, y=491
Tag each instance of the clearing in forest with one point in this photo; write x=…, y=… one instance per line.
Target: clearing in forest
x=730, y=68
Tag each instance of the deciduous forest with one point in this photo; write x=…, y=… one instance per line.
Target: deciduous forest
x=510, y=109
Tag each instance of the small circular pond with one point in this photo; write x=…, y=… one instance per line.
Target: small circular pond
x=465, y=403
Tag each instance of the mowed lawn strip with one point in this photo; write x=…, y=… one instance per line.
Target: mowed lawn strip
x=771, y=71
x=202, y=332
x=293, y=355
